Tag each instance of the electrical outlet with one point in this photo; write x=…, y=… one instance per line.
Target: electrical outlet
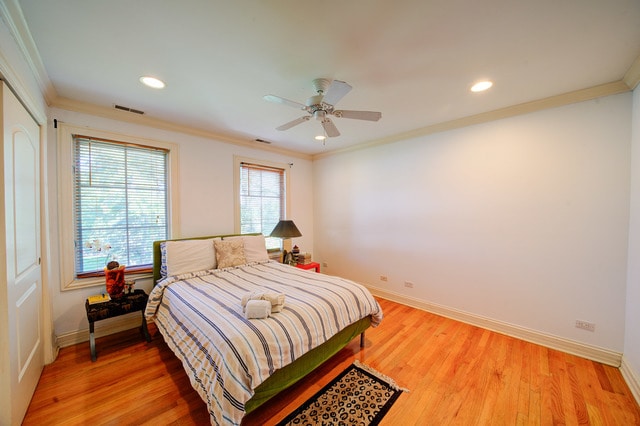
x=383, y=278
x=585, y=325
x=325, y=265
x=408, y=284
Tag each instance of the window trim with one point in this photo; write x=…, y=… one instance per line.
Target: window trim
x=66, y=221
x=237, y=161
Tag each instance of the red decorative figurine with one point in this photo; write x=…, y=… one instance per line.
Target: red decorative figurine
x=114, y=274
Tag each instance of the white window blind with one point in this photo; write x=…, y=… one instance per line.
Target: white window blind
x=262, y=200
x=120, y=203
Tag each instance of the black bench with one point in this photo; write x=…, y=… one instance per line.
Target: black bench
x=129, y=302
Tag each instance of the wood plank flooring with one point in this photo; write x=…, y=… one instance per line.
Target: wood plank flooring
x=456, y=374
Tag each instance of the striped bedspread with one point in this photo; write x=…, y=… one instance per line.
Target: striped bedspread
x=225, y=355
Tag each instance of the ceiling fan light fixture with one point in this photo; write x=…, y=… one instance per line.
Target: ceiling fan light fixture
x=152, y=82
x=481, y=86
x=319, y=115
x=321, y=107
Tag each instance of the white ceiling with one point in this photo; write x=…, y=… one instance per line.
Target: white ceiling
x=412, y=60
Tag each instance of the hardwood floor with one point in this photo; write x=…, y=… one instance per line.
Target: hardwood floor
x=456, y=374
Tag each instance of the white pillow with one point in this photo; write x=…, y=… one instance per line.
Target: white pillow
x=255, y=247
x=190, y=256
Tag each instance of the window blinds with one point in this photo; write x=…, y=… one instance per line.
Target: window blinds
x=262, y=200
x=120, y=203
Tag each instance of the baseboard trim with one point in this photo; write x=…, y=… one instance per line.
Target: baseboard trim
x=102, y=328
x=631, y=378
x=594, y=353
x=605, y=356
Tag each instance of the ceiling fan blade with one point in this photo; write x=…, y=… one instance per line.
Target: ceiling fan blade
x=358, y=115
x=335, y=92
x=283, y=101
x=295, y=122
x=329, y=128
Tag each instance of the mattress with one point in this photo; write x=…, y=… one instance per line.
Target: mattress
x=228, y=356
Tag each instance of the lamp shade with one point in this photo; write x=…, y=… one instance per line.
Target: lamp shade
x=285, y=229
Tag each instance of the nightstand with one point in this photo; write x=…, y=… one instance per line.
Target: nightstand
x=129, y=302
x=312, y=265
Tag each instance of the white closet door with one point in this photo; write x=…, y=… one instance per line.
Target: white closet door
x=21, y=325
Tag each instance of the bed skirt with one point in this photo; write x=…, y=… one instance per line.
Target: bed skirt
x=287, y=376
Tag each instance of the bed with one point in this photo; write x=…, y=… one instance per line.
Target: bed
x=234, y=363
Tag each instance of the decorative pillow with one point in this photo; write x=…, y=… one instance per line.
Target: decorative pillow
x=190, y=256
x=163, y=260
x=255, y=247
x=230, y=253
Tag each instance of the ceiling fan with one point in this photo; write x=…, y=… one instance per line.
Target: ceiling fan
x=321, y=106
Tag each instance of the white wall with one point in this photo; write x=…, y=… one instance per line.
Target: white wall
x=632, y=329
x=522, y=220
x=206, y=198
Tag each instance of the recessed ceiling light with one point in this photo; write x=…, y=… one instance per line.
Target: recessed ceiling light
x=481, y=86
x=320, y=137
x=152, y=82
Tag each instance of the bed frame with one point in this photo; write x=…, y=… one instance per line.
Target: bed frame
x=286, y=376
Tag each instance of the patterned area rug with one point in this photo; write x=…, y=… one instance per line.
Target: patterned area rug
x=359, y=395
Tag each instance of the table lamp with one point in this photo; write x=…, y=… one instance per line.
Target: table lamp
x=286, y=229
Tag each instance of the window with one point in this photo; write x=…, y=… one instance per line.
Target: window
x=117, y=194
x=120, y=203
x=262, y=191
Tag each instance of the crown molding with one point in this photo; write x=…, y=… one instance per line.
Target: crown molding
x=14, y=78
x=14, y=18
x=632, y=76
x=576, y=96
x=11, y=12
x=115, y=114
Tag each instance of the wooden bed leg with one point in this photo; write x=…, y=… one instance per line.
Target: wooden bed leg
x=362, y=339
